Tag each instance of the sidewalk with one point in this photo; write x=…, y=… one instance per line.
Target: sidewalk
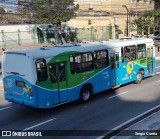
x=143, y=128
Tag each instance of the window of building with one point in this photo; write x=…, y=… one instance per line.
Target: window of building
x=101, y=59
x=129, y=53
x=99, y=0
x=84, y=62
x=41, y=70
x=141, y=51
x=140, y=1
x=132, y=1
x=146, y=1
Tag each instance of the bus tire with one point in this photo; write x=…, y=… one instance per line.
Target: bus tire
x=139, y=77
x=85, y=93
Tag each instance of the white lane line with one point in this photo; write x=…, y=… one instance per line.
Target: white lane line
x=5, y=108
x=117, y=95
x=40, y=124
x=158, y=81
x=131, y=120
x=158, y=67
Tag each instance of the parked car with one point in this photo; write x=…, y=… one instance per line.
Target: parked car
x=138, y=36
x=125, y=38
x=157, y=37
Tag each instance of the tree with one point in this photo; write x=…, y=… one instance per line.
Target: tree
x=48, y=11
x=2, y=10
x=139, y=25
x=149, y=21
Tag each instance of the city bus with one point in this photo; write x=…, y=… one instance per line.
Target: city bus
x=52, y=75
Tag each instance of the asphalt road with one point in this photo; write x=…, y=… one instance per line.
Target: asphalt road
x=105, y=111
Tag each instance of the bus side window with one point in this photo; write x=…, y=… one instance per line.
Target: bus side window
x=122, y=53
x=141, y=51
x=129, y=53
x=41, y=70
x=84, y=62
x=72, y=64
x=101, y=59
x=52, y=72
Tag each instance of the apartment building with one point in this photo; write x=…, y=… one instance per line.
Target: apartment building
x=116, y=13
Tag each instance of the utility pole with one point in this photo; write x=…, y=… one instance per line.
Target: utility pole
x=128, y=33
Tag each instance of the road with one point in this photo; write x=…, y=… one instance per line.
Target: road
x=105, y=111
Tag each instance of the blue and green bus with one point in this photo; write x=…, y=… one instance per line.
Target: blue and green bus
x=52, y=75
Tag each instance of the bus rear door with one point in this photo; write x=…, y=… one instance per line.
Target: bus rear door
x=58, y=77
x=150, y=60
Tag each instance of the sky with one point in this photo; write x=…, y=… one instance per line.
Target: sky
x=9, y=4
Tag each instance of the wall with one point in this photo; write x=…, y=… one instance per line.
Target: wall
x=110, y=12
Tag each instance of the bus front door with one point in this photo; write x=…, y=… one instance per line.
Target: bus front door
x=115, y=67
x=58, y=80
x=150, y=60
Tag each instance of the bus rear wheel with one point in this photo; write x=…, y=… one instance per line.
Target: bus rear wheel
x=139, y=77
x=85, y=94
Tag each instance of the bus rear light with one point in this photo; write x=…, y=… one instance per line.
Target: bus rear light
x=4, y=87
x=31, y=92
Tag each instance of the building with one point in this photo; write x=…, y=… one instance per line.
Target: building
x=114, y=13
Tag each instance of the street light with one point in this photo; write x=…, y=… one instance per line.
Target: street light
x=127, y=18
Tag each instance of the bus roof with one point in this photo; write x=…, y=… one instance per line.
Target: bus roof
x=50, y=51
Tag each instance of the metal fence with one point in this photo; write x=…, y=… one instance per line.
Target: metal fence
x=21, y=38
x=99, y=33
x=17, y=38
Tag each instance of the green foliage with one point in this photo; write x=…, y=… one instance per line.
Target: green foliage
x=150, y=20
x=2, y=10
x=49, y=11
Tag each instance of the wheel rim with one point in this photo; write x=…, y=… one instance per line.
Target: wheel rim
x=86, y=95
x=139, y=77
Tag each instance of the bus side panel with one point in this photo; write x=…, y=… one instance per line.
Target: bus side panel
x=19, y=94
x=103, y=80
x=47, y=98
x=100, y=81
x=129, y=71
x=74, y=93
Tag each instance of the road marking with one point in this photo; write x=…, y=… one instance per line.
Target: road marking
x=40, y=124
x=5, y=108
x=131, y=120
x=158, y=81
x=117, y=95
x=158, y=67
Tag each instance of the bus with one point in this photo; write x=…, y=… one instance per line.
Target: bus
x=52, y=75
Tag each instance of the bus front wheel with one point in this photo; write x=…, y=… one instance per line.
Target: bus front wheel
x=139, y=77
x=85, y=94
